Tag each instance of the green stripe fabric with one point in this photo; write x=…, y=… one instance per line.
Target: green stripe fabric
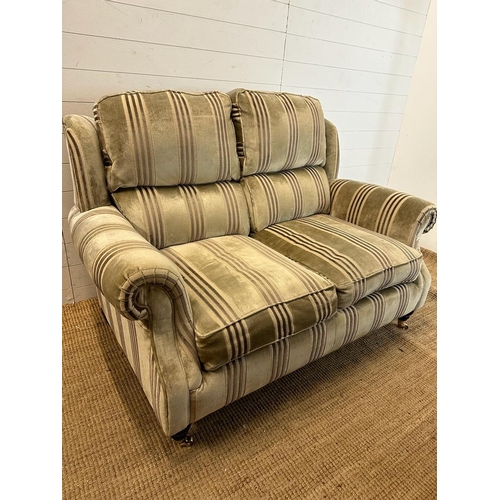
x=87, y=168
x=167, y=216
x=332, y=151
x=244, y=296
x=383, y=210
x=167, y=138
x=245, y=375
x=278, y=197
x=136, y=343
x=121, y=262
x=278, y=131
x=358, y=261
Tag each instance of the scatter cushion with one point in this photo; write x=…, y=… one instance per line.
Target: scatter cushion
x=167, y=138
x=287, y=195
x=278, y=131
x=244, y=295
x=357, y=260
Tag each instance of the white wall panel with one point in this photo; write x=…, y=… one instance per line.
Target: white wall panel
x=89, y=85
x=72, y=253
x=356, y=56
x=67, y=184
x=79, y=276
x=84, y=292
x=361, y=157
x=258, y=13
x=65, y=231
x=320, y=52
x=127, y=22
x=366, y=173
x=320, y=77
x=368, y=140
x=418, y=6
x=346, y=121
x=64, y=153
x=374, y=13
x=67, y=203
x=77, y=108
x=123, y=56
x=66, y=281
x=341, y=100
x=415, y=160
x=322, y=27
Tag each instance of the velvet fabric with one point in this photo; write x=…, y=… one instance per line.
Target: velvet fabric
x=358, y=261
x=242, y=376
x=278, y=131
x=387, y=211
x=332, y=151
x=284, y=196
x=87, y=169
x=167, y=138
x=225, y=252
x=244, y=296
x=168, y=216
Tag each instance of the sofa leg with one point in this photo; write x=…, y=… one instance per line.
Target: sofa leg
x=183, y=438
x=402, y=321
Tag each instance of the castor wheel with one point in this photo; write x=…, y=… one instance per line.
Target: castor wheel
x=183, y=438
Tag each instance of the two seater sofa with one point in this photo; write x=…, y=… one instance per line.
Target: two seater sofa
x=225, y=251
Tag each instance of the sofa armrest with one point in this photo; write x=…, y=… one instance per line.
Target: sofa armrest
x=121, y=262
x=386, y=211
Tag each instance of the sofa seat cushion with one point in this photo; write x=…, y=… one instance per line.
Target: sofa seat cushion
x=357, y=260
x=245, y=295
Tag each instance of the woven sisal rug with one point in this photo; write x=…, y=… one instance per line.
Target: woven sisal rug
x=357, y=424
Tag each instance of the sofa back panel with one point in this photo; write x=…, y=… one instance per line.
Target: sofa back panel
x=87, y=169
x=283, y=196
x=168, y=216
x=332, y=151
x=278, y=131
x=167, y=138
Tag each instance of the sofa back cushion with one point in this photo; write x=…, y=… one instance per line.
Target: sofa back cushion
x=167, y=138
x=168, y=216
x=283, y=196
x=281, y=140
x=278, y=131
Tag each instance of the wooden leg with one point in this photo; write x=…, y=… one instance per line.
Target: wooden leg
x=183, y=437
x=402, y=321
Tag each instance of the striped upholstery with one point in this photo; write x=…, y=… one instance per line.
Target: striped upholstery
x=383, y=210
x=358, y=261
x=218, y=388
x=245, y=375
x=167, y=138
x=288, y=195
x=278, y=131
x=204, y=313
x=244, y=296
x=121, y=262
x=168, y=216
x=332, y=151
x=87, y=169
x=136, y=343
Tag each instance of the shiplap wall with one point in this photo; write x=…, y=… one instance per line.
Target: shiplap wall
x=356, y=56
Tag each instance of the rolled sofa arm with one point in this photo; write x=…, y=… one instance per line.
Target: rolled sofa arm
x=386, y=211
x=121, y=262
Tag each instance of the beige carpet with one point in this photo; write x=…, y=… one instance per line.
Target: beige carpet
x=357, y=424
